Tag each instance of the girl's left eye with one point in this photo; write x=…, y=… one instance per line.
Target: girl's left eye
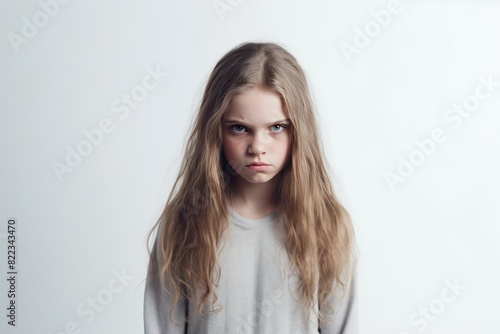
x=281, y=127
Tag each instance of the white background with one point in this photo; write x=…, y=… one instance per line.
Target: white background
x=441, y=223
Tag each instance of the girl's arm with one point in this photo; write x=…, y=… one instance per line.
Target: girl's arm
x=157, y=303
x=345, y=319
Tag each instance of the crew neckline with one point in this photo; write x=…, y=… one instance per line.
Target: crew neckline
x=248, y=222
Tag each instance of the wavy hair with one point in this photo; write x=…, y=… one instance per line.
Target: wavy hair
x=319, y=233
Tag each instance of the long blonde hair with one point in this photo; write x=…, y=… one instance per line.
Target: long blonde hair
x=319, y=233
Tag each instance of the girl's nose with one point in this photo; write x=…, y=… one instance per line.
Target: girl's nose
x=256, y=147
x=255, y=151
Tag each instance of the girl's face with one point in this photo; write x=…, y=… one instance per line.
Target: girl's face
x=255, y=129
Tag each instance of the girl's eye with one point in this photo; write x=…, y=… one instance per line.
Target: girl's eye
x=236, y=127
x=281, y=127
x=275, y=127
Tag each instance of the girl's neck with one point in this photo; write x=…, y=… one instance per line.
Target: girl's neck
x=253, y=200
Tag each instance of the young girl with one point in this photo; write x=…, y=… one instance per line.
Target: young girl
x=252, y=238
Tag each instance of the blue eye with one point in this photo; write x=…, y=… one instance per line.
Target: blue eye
x=240, y=128
x=237, y=125
x=282, y=126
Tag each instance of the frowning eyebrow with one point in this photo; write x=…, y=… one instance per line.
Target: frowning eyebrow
x=237, y=121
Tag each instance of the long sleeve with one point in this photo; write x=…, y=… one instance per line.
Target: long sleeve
x=157, y=303
x=345, y=320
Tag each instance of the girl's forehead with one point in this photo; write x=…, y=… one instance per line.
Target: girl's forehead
x=256, y=103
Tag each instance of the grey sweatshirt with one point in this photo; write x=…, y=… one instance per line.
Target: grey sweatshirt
x=256, y=290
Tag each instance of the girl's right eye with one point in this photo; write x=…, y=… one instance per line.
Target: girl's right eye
x=235, y=127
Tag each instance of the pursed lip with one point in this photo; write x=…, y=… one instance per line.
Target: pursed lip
x=258, y=164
